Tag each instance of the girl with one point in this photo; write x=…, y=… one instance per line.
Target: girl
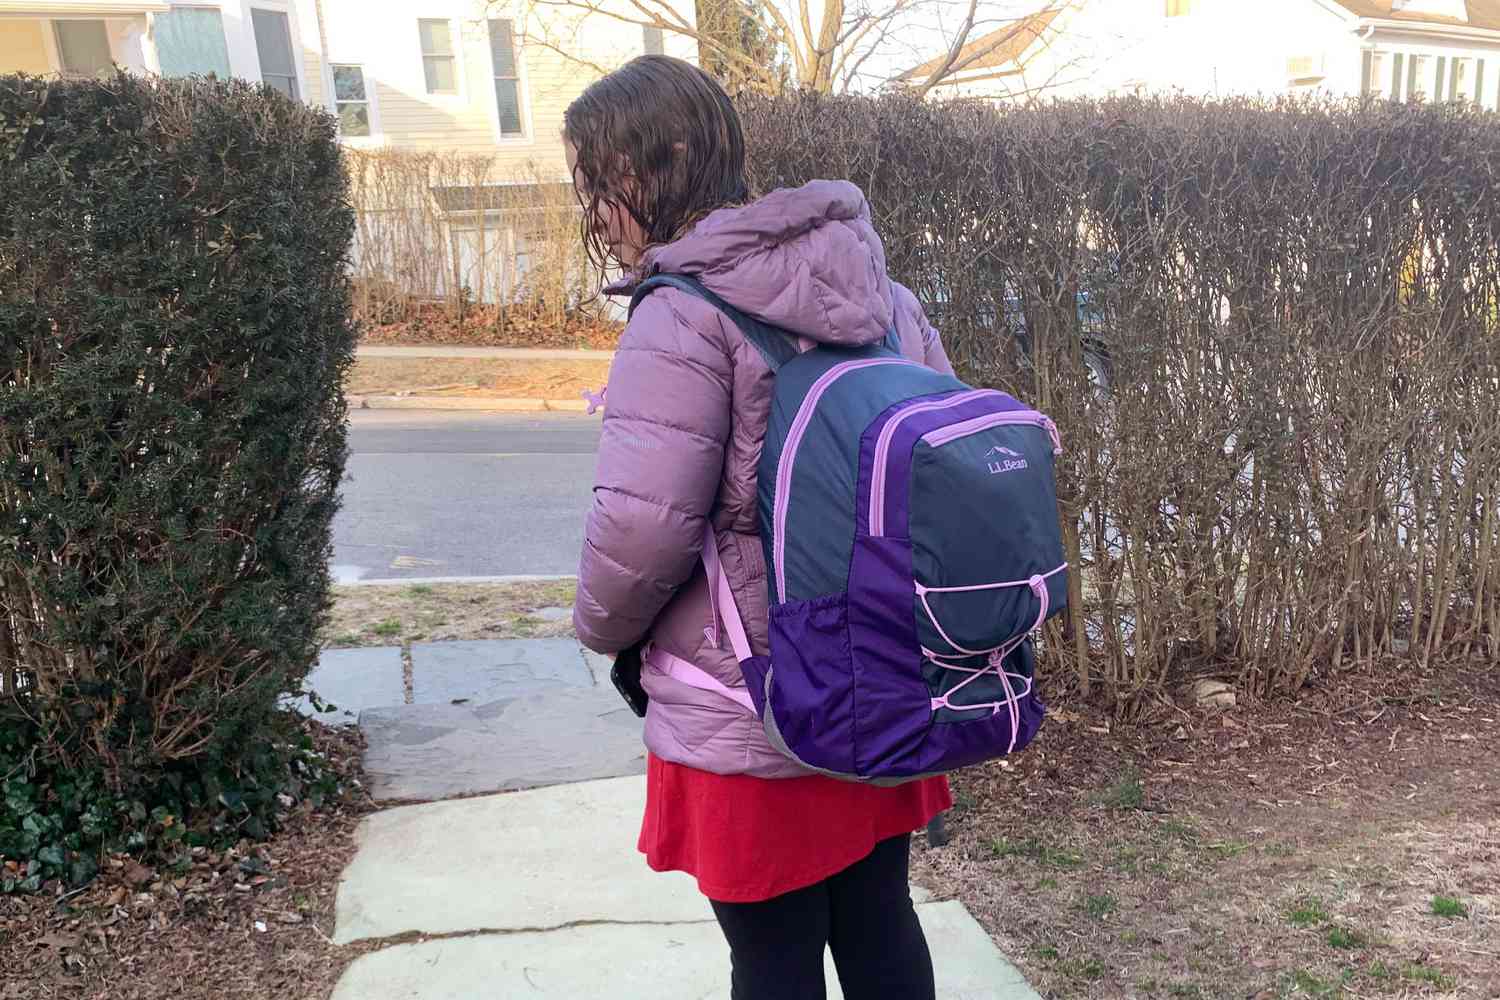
x=792, y=863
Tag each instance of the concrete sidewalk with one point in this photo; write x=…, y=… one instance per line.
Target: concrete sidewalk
x=497, y=353
x=541, y=893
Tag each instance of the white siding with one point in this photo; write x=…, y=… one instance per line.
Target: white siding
x=1224, y=47
x=381, y=36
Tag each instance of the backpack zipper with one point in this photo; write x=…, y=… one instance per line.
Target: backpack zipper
x=942, y=436
x=883, y=449
x=789, y=456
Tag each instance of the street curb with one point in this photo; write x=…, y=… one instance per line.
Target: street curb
x=472, y=353
x=431, y=580
x=493, y=405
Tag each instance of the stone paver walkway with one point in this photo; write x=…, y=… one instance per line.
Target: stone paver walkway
x=542, y=894
x=421, y=753
x=539, y=892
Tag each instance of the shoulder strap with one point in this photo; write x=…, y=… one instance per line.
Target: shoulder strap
x=772, y=343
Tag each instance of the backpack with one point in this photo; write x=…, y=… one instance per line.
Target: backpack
x=912, y=546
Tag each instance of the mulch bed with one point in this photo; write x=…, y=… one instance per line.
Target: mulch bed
x=486, y=326
x=253, y=921
x=477, y=377
x=1297, y=847
x=1291, y=848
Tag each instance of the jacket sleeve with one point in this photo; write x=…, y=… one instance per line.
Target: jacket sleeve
x=909, y=311
x=934, y=356
x=661, y=458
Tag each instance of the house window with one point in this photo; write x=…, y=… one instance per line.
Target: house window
x=1180, y=8
x=655, y=41
x=1380, y=78
x=190, y=42
x=1463, y=80
x=83, y=48
x=273, y=42
x=1302, y=70
x=351, y=101
x=507, y=79
x=1419, y=79
x=438, y=61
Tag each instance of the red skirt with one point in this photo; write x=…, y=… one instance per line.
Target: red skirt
x=751, y=839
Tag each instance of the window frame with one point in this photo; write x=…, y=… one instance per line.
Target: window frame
x=523, y=94
x=54, y=37
x=452, y=56
x=1180, y=8
x=299, y=75
x=370, y=102
x=217, y=11
x=1422, y=75
x=1381, y=68
x=1463, y=89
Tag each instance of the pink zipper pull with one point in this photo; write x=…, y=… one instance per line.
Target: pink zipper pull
x=595, y=399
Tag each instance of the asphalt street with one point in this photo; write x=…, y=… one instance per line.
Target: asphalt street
x=433, y=494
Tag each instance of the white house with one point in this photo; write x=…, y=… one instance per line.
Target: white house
x=1420, y=49
x=480, y=77
x=468, y=75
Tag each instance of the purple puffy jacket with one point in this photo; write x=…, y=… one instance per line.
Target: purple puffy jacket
x=688, y=403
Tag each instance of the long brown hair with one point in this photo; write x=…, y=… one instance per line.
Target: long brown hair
x=660, y=139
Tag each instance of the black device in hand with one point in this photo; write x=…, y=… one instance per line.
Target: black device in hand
x=626, y=675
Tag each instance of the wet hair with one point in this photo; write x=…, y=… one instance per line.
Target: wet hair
x=660, y=139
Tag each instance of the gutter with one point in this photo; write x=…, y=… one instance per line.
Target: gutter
x=1458, y=31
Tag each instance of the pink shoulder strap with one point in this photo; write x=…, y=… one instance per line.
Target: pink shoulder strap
x=721, y=601
x=721, y=598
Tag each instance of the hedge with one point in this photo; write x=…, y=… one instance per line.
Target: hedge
x=1278, y=398
x=174, y=330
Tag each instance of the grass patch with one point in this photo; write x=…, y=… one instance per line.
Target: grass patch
x=1088, y=969
x=1416, y=972
x=1037, y=851
x=1227, y=849
x=1179, y=830
x=376, y=615
x=1305, y=983
x=1344, y=937
x=1100, y=906
x=1125, y=794
x=1048, y=953
x=1307, y=913
x=1447, y=906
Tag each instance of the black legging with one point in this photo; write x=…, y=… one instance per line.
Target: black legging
x=863, y=913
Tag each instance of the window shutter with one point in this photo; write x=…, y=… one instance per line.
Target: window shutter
x=1398, y=65
x=1437, y=87
x=1366, y=73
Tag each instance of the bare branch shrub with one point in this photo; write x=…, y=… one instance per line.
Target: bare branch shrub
x=1268, y=333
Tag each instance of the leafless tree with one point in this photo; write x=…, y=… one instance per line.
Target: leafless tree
x=826, y=46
